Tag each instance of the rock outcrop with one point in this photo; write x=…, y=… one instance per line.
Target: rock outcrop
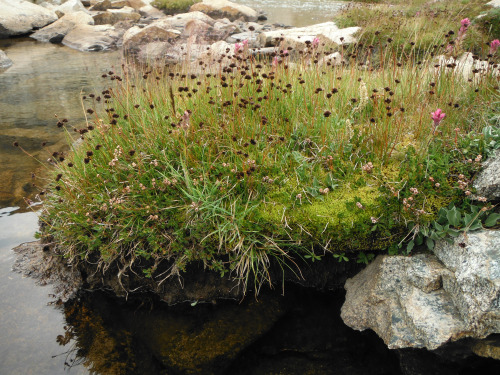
x=427, y=300
x=487, y=183
x=5, y=62
x=18, y=17
x=70, y=6
x=112, y=16
x=327, y=31
x=90, y=38
x=135, y=38
x=224, y=8
x=55, y=32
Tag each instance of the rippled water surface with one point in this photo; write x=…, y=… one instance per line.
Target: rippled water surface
x=296, y=12
x=45, y=80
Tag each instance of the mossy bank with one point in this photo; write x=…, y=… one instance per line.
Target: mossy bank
x=241, y=166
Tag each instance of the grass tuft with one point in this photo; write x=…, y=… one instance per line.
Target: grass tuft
x=245, y=163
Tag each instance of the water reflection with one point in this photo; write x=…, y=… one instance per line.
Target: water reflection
x=294, y=334
x=296, y=12
x=45, y=80
x=28, y=326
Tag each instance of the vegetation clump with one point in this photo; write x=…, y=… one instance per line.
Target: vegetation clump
x=174, y=6
x=247, y=163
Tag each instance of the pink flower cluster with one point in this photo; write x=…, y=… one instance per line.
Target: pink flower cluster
x=437, y=117
x=463, y=29
x=241, y=45
x=494, y=44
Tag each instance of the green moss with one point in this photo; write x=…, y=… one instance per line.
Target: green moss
x=325, y=218
x=174, y=6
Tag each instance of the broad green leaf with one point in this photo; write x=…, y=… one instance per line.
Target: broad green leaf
x=492, y=219
x=476, y=225
x=419, y=240
x=468, y=218
x=454, y=217
x=410, y=246
x=430, y=243
x=438, y=226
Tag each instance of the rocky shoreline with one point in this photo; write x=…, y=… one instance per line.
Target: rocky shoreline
x=144, y=32
x=441, y=301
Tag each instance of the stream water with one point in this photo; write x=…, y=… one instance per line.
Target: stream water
x=296, y=12
x=99, y=335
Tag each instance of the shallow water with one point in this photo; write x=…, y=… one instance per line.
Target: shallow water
x=296, y=12
x=28, y=326
x=44, y=80
x=103, y=335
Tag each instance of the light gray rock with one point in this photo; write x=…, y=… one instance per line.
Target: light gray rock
x=21, y=17
x=179, y=21
x=164, y=53
x=494, y=3
x=224, y=8
x=467, y=67
x=135, y=38
x=70, y=6
x=327, y=31
x=5, y=62
x=474, y=285
x=112, y=16
x=56, y=31
x=217, y=51
x=200, y=32
x=149, y=11
x=117, y=4
x=251, y=37
x=333, y=58
x=92, y=38
x=487, y=183
x=427, y=300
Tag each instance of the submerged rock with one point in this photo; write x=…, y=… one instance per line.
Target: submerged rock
x=5, y=62
x=427, y=300
x=488, y=348
x=56, y=31
x=21, y=17
x=224, y=8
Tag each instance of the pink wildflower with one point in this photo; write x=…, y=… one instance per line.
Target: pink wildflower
x=275, y=61
x=465, y=22
x=463, y=29
x=237, y=47
x=494, y=44
x=437, y=117
x=245, y=43
x=315, y=42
